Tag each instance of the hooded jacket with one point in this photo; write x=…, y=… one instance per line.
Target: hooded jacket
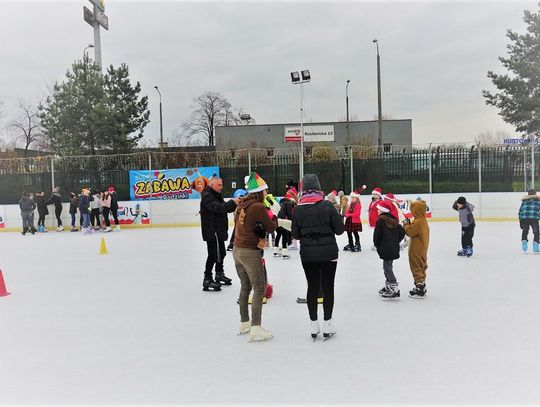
x=530, y=207
x=387, y=235
x=418, y=230
x=214, y=210
x=248, y=212
x=27, y=204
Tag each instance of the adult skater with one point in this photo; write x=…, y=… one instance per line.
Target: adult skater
x=253, y=221
x=315, y=223
x=56, y=199
x=114, y=207
x=529, y=213
x=27, y=205
x=214, y=227
x=42, y=211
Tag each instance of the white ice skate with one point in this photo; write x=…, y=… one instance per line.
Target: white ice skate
x=315, y=329
x=285, y=254
x=258, y=333
x=244, y=327
x=328, y=329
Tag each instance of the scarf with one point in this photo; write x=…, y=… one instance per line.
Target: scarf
x=310, y=197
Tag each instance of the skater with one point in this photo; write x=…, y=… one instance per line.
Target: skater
x=398, y=214
x=73, y=206
x=239, y=193
x=376, y=195
x=84, y=208
x=114, y=207
x=56, y=199
x=315, y=223
x=386, y=237
x=253, y=221
x=529, y=213
x=214, y=226
x=283, y=236
x=106, y=208
x=270, y=202
x=95, y=210
x=466, y=217
x=332, y=198
x=353, y=223
x=27, y=205
x=418, y=231
x=343, y=204
x=43, y=211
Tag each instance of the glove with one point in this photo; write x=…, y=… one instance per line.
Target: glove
x=259, y=230
x=285, y=224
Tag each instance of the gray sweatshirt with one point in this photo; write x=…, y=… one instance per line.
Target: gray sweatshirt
x=465, y=213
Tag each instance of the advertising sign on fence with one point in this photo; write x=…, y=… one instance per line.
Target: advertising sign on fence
x=182, y=183
x=2, y=217
x=133, y=213
x=311, y=133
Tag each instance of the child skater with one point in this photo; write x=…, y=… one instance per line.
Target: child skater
x=353, y=224
x=386, y=237
x=42, y=211
x=287, y=206
x=418, y=231
x=529, y=213
x=466, y=218
x=372, y=212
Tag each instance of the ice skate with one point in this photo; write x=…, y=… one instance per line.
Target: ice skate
x=277, y=252
x=73, y=229
x=536, y=248
x=356, y=248
x=244, y=327
x=391, y=293
x=107, y=229
x=44, y=229
x=222, y=279
x=59, y=228
x=383, y=290
x=461, y=253
x=328, y=329
x=524, y=246
x=230, y=248
x=210, y=285
x=315, y=329
x=32, y=230
x=25, y=229
x=347, y=248
x=468, y=251
x=117, y=228
x=285, y=254
x=419, y=291
x=258, y=334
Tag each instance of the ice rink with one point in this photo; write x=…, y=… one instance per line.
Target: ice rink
x=135, y=327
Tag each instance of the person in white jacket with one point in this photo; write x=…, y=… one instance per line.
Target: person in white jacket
x=95, y=210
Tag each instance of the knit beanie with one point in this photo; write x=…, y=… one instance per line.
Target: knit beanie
x=255, y=183
x=310, y=182
x=461, y=200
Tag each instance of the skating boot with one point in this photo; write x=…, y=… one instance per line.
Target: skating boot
x=107, y=229
x=278, y=252
x=230, y=248
x=44, y=229
x=315, y=329
x=356, y=248
x=73, y=229
x=524, y=246
x=285, y=254
x=461, y=253
x=117, y=228
x=210, y=285
x=347, y=248
x=383, y=290
x=392, y=292
x=59, y=228
x=328, y=329
x=24, y=231
x=419, y=291
x=244, y=327
x=258, y=333
x=222, y=279
x=536, y=248
x=469, y=251
x=32, y=230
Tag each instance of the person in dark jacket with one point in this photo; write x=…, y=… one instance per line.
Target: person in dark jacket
x=287, y=206
x=73, y=206
x=114, y=207
x=529, y=214
x=56, y=199
x=315, y=223
x=466, y=218
x=214, y=227
x=42, y=211
x=84, y=208
x=27, y=206
x=387, y=235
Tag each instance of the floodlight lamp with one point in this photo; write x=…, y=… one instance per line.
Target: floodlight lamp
x=295, y=77
x=306, y=75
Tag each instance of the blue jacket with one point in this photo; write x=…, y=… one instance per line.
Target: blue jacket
x=530, y=207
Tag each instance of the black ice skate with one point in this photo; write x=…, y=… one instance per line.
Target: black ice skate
x=461, y=253
x=390, y=295
x=210, y=285
x=348, y=248
x=419, y=291
x=356, y=248
x=383, y=290
x=221, y=278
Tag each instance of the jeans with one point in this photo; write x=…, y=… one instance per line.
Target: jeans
x=389, y=271
x=248, y=263
x=86, y=220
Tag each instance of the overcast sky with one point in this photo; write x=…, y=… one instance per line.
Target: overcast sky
x=434, y=57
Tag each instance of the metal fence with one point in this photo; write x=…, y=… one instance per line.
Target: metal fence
x=405, y=169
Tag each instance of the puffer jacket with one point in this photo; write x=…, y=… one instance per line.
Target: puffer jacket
x=214, y=220
x=387, y=235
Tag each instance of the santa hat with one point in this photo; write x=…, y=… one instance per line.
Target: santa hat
x=389, y=196
x=383, y=206
x=354, y=195
x=256, y=183
x=292, y=193
x=334, y=192
x=377, y=191
x=110, y=189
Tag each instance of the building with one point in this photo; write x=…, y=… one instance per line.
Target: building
x=395, y=133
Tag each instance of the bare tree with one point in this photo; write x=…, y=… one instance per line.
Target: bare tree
x=209, y=111
x=490, y=138
x=27, y=127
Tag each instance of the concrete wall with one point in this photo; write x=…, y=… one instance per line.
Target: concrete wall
x=489, y=206
x=397, y=132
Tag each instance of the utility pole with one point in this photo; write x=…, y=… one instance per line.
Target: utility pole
x=379, y=99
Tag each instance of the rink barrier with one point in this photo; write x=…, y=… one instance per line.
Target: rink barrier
x=490, y=207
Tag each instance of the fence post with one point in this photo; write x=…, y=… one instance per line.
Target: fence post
x=430, y=174
x=52, y=171
x=533, y=141
x=352, y=170
x=149, y=161
x=249, y=161
x=524, y=167
x=479, y=168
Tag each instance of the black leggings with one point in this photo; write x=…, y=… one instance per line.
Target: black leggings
x=320, y=274
x=57, y=213
x=533, y=224
x=286, y=237
x=41, y=220
x=356, y=237
x=467, y=234
x=94, y=217
x=216, y=254
x=114, y=212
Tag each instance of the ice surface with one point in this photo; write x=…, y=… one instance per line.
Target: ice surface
x=134, y=326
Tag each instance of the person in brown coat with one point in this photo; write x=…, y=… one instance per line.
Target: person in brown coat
x=418, y=231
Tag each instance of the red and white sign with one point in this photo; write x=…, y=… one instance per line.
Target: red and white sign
x=292, y=134
x=312, y=133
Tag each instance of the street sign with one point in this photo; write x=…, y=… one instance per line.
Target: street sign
x=102, y=19
x=100, y=4
x=88, y=16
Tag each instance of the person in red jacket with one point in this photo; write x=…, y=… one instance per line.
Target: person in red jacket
x=373, y=216
x=353, y=224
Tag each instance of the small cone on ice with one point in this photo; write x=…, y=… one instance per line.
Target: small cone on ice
x=103, y=248
x=3, y=291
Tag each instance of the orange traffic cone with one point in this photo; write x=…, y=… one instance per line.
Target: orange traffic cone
x=103, y=248
x=3, y=291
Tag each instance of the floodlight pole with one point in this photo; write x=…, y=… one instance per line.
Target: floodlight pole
x=97, y=40
x=301, y=130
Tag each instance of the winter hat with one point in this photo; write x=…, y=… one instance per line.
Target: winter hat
x=311, y=182
x=340, y=194
x=390, y=196
x=239, y=193
x=383, y=206
x=461, y=200
x=292, y=193
x=354, y=195
x=111, y=189
x=532, y=191
x=377, y=191
x=255, y=183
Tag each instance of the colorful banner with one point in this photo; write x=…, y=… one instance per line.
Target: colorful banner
x=132, y=213
x=404, y=204
x=183, y=183
x=2, y=217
